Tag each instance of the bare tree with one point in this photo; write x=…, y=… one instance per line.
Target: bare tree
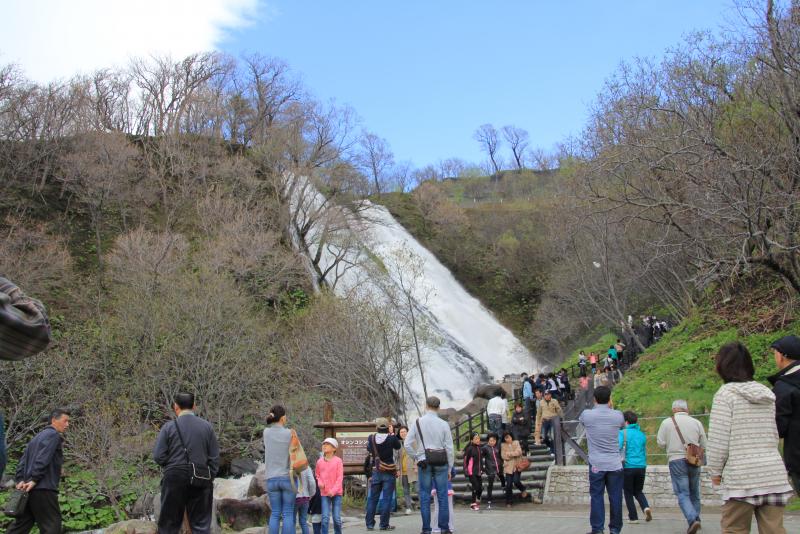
x=486, y=136
x=518, y=139
x=376, y=160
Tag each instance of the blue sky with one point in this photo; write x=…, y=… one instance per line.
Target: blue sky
x=422, y=74
x=426, y=74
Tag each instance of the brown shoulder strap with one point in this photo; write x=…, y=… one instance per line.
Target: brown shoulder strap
x=674, y=422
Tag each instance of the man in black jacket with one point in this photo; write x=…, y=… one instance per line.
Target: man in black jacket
x=382, y=446
x=186, y=446
x=39, y=473
x=786, y=386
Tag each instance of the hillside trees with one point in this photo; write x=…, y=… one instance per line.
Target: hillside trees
x=488, y=138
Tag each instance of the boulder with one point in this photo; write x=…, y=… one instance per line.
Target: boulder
x=487, y=391
x=242, y=466
x=355, y=487
x=134, y=526
x=242, y=514
x=258, y=485
x=477, y=405
x=144, y=506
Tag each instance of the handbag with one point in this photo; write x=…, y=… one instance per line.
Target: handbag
x=201, y=476
x=694, y=453
x=522, y=464
x=24, y=328
x=298, y=461
x=433, y=457
x=380, y=465
x=16, y=503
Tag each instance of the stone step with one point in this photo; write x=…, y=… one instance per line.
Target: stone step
x=535, y=467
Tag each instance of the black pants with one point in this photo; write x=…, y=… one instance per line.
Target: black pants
x=511, y=481
x=522, y=436
x=477, y=487
x=490, y=484
x=43, y=510
x=632, y=486
x=177, y=497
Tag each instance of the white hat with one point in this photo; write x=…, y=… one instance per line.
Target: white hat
x=332, y=441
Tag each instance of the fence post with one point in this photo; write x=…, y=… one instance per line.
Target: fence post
x=483, y=423
x=469, y=421
x=559, y=443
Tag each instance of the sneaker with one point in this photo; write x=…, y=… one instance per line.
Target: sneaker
x=408, y=511
x=633, y=520
x=694, y=527
x=648, y=514
x=488, y=505
x=390, y=527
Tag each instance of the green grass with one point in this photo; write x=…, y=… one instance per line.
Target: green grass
x=599, y=347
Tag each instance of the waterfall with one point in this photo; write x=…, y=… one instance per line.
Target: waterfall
x=468, y=346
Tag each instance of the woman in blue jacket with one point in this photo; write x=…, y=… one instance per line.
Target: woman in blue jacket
x=633, y=443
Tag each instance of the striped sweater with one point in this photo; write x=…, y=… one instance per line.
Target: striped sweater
x=743, y=440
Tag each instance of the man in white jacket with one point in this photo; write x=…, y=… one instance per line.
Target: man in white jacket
x=685, y=477
x=496, y=410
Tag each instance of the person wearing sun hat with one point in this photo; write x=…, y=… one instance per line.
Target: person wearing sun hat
x=786, y=387
x=330, y=477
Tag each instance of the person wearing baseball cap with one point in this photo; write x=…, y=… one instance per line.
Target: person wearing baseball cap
x=786, y=387
x=382, y=447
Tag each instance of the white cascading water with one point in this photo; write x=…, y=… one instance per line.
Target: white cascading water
x=469, y=345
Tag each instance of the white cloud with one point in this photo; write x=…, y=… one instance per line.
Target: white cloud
x=53, y=39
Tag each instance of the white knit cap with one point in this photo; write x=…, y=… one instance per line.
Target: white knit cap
x=332, y=441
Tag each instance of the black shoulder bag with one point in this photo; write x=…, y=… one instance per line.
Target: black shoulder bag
x=16, y=503
x=201, y=475
x=433, y=457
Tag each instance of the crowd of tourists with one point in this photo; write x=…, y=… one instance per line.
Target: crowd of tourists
x=740, y=452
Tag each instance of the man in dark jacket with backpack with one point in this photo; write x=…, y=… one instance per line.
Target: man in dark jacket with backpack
x=39, y=473
x=382, y=447
x=188, y=452
x=786, y=386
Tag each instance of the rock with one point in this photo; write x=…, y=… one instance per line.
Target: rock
x=242, y=466
x=477, y=405
x=355, y=487
x=487, y=391
x=258, y=485
x=134, y=526
x=243, y=514
x=144, y=506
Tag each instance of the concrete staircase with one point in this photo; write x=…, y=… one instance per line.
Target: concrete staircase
x=533, y=478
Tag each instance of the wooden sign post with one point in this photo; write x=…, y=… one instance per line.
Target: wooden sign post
x=352, y=438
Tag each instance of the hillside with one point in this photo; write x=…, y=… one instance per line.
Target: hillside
x=491, y=233
x=681, y=364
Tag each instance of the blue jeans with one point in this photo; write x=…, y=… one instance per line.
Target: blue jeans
x=381, y=487
x=547, y=434
x=332, y=506
x=686, y=486
x=302, y=516
x=281, y=502
x=599, y=483
x=429, y=478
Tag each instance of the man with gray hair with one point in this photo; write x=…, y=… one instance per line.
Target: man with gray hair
x=430, y=443
x=674, y=434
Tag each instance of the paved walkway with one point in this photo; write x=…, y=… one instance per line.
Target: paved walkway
x=560, y=521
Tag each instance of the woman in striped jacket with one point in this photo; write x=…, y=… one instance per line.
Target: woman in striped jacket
x=743, y=458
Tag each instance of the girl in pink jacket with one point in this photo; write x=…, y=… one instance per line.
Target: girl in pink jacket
x=330, y=475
